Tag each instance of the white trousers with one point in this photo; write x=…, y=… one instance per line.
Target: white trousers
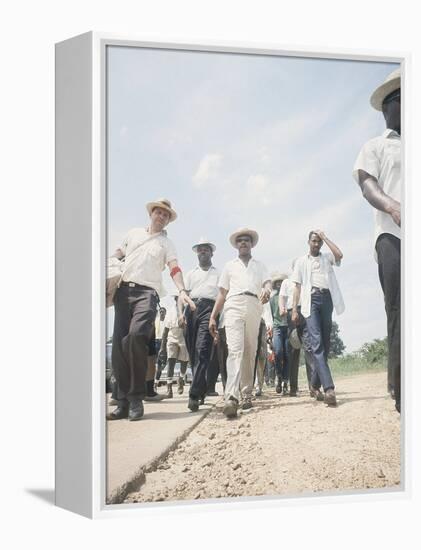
x=242, y=320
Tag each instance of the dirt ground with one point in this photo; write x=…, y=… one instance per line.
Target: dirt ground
x=287, y=446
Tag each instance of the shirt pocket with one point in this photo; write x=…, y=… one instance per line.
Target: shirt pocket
x=156, y=250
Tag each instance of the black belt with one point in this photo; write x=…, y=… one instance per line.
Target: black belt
x=247, y=294
x=317, y=289
x=200, y=300
x=135, y=285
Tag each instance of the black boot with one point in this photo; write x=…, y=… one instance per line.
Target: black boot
x=135, y=409
x=122, y=411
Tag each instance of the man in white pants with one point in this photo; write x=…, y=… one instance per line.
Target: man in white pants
x=244, y=286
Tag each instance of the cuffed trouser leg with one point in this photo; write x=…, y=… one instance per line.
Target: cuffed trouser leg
x=319, y=325
x=389, y=256
x=134, y=318
x=222, y=352
x=260, y=371
x=242, y=320
x=200, y=346
x=294, y=360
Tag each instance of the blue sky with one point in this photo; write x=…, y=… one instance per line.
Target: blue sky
x=239, y=140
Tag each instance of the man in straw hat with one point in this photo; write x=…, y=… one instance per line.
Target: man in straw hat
x=316, y=285
x=244, y=286
x=378, y=172
x=280, y=335
x=146, y=252
x=202, y=286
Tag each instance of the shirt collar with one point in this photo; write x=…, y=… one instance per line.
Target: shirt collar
x=237, y=259
x=390, y=133
x=163, y=232
x=198, y=267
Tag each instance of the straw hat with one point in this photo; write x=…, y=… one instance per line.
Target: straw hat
x=165, y=204
x=277, y=276
x=294, y=339
x=391, y=84
x=244, y=231
x=203, y=241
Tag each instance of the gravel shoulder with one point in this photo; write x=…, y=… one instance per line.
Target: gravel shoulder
x=286, y=446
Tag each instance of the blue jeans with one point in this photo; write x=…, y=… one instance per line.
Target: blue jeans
x=280, y=348
x=319, y=326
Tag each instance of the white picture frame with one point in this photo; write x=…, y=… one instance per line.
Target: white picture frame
x=81, y=258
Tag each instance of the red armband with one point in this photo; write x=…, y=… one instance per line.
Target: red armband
x=175, y=270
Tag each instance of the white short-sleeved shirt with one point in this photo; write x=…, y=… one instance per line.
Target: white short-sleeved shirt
x=146, y=257
x=201, y=283
x=381, y=158
x=175, y=333
x=287, y=291
x=237, y=278
x=303, y=275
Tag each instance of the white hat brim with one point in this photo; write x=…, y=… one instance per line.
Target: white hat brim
x=250, y=232
x=151, y=205
x=213, y=247
x=383, y=91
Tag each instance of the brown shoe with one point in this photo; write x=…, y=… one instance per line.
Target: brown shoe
x=330, y=398
x=316, y=393
x=169, y=391
x=180, y=384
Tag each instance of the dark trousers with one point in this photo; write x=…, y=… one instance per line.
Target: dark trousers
x=199, y=345
x=389, y=257
x=222, y=353
x=280, y=348
x=261, y=348
x=294, y=354
x=319, y=326
x=135, y=311
x=213, y=369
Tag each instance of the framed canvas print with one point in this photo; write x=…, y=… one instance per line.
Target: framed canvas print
x=228, y=305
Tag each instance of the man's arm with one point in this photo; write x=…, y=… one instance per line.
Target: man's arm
x=333, y=247
x=217, y=308
x=282, y=304
x=179, y=283
x=375, y=195
x=163, y=349
x=266, y=290
x=119, y=254
x=295, y=302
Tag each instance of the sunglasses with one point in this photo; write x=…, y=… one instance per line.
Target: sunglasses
x=394, y=96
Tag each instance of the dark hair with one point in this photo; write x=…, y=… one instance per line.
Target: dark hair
x=312, y=233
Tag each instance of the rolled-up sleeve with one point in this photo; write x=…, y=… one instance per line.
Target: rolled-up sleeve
x=224, y=279
x=367, y=160
x=297, y=275
x=332, y=260
x=171, y=252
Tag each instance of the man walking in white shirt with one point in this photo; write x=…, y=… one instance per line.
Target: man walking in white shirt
x=244, y=286
x=316, y=285
x=377, y=170
x=146, y=252
x=202, y=286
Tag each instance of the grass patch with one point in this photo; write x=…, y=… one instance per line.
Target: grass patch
x=349, y=365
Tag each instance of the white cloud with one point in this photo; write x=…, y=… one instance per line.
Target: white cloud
x=208, y=170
